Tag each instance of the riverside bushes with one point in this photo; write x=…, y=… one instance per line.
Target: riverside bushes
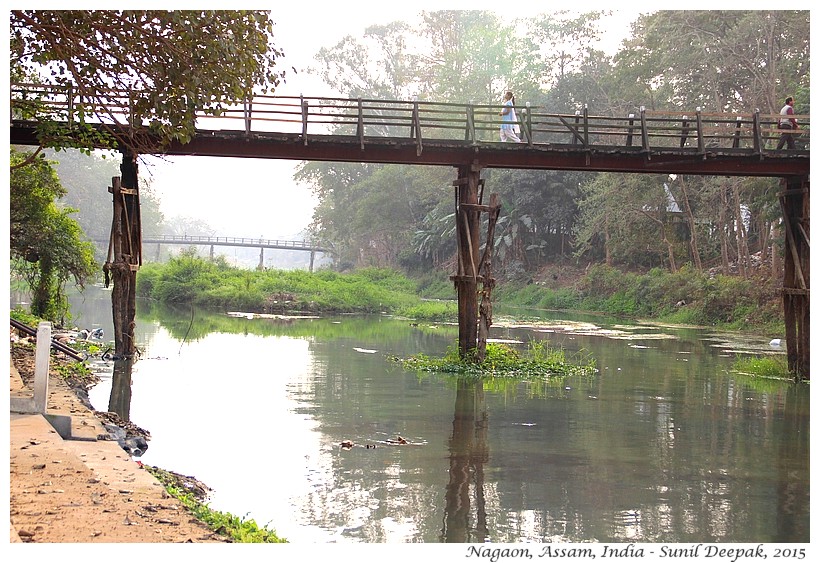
x=215, y=284
x=686, y=296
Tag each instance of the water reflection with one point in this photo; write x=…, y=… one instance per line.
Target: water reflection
x=120, y=400
x=469, y=451
x=663, y=444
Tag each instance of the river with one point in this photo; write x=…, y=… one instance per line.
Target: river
x=663, y=444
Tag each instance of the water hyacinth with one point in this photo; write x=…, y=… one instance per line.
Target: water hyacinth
x=539, y=361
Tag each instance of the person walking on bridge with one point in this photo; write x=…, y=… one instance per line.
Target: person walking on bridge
x=787, y=124
x=509, y=122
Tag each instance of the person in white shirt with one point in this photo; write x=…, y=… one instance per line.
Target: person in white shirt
x=787, y=124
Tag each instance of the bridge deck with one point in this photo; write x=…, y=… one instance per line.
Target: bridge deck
x=445, y=134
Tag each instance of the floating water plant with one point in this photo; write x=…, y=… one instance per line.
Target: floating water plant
x=539, y=361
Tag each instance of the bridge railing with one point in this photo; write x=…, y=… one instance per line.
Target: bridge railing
x=237, y=241
x=424, y=121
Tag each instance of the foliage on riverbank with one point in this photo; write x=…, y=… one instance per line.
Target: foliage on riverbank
x=684, y=297
x=540, y=361
x=240, y=530
x=190, y=279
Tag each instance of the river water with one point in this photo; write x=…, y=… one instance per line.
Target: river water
x=663, y=444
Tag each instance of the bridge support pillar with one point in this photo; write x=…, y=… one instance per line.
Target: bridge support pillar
x=312, y=256
x=261, y=259
x=124, y=255
x=472, y=267
x=794, y=202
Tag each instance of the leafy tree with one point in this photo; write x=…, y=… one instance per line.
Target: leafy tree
x=625, y=218
x=86, y=178
x=719, y=60
x=165, y=65
x=46, y=246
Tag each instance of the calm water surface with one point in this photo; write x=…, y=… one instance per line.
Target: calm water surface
x=662, y=444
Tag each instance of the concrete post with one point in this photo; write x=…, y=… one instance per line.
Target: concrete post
x=42, y=357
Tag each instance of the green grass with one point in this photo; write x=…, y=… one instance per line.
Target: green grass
x=769, y=367
x=240, y=530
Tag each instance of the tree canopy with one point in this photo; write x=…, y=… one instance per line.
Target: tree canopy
x=46, y=246
x=168, y=64
x=720, y=61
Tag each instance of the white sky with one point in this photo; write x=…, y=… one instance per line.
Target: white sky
x=258, y=197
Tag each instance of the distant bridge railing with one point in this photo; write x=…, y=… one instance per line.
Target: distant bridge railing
x=692, y=131
x=233, y=241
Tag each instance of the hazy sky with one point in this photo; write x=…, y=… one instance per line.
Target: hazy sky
x=256, y=197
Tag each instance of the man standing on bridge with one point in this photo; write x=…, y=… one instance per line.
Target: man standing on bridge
x=787, y=124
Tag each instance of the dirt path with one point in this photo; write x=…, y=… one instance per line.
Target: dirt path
x=84, y=490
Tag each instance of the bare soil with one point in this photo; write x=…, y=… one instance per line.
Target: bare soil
x=87, y=489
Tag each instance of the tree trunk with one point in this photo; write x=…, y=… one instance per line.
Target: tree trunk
x=693, y=231
x=743, y=259
x=723, y=229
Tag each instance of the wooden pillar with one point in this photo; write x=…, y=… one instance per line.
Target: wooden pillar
x=261, y=259
x=467, y=241
x=485, y=268
x=124, y=256
x=467, y=246
x=312, y=256
x=794, y=202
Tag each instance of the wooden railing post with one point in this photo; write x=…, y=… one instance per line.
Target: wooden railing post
x=528, y=126
x=736, y=141
x=248, y=109
x=469, y=132
x=360, y=126
x=757, y=134
x=701, y=146
x=644, y=131
x=304, y=105
x=415, y=127
x=577, y=122
x=629, y=129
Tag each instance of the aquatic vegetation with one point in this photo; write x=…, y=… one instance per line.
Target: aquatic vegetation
x=430, y=311
x=539, y=361
x=769, y=367
x=240, y=530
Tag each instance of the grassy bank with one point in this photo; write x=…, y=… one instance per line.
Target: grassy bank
x=684, y=297
x=240, y=530
x=219, y=286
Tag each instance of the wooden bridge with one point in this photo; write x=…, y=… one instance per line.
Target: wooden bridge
x=464, y=136
x=446, y=134
x=260, y=243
